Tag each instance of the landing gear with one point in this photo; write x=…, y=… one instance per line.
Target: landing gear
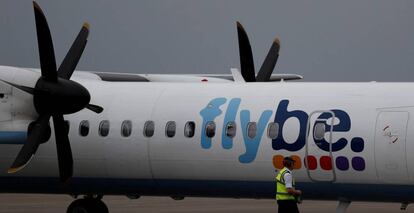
x=404, y=206
x=342, y=206
x=88, y=205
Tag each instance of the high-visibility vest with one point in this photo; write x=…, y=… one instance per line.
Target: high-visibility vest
x=281, y=191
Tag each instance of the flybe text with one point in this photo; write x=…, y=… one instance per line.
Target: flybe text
x=214, y=110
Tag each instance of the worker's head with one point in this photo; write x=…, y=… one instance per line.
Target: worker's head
x=288, y=162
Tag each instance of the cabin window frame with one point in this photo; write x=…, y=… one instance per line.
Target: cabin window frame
x=319, y=131
x=231, y=133
x=82, y=125
x=210, y=129
x=189, y=129
x=149, y=129
x=126, y=128
x=104, y=128
x=251, y=130
x=170, y=129
x=273, y=127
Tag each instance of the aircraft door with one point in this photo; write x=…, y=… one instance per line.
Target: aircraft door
x=390, y=146
x=318, y=153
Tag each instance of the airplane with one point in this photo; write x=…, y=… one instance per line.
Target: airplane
x=199, y=135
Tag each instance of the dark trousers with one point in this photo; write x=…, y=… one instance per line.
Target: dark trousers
x=287, y=206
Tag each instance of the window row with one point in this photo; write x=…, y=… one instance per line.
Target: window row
x=170, y=129
x=189, y=129
x=126, y=128
x=210, y=129
x=230, y=130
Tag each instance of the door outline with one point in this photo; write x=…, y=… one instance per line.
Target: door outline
x=330, y=143
x=380, y=174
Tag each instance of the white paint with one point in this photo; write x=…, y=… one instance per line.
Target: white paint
x=138, y=157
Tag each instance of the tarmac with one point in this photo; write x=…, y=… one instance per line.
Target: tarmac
x=34, y=203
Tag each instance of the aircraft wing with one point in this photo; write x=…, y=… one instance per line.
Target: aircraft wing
x=134, y=77
x=216, y=78
x=274, y=77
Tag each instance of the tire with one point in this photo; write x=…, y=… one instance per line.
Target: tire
x=99, y=206
x=79, y=206
x=87, y=206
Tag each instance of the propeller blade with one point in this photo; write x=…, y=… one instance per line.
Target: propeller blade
x=94, y=108
x=269, y=63
x=24, y=88
x=64, y=152
x=45, y=45
x=34, y=139
x=75, y=52
x=246, y=55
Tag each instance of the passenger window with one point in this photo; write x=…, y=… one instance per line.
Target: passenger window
x=84, y=128
x=273, y=130
x=251, y=129
x=126, y=128
x=149, y=128
x=319, y=131
x=189, y=129
x=170, y=129
x=210, y=129
x=104, y=128
x=231, y=129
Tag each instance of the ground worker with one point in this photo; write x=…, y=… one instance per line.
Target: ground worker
x=286, y=195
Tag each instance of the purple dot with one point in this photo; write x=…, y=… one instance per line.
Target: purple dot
x=358, y=163
x=342, y=163
x=357, y=144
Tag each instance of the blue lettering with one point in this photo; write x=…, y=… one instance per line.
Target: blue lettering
x=282, y=114
x=344, y=125
x=230, y=116
x=209, y=113
x=252, y=144
x=212, y=111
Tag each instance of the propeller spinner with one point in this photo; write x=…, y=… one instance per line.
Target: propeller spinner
x=54, y=96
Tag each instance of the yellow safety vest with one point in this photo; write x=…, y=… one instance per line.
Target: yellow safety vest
x=281, y=191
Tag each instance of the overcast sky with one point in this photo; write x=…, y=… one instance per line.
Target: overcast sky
x=352, y=40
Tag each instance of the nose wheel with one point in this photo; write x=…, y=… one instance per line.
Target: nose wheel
x=88, y=205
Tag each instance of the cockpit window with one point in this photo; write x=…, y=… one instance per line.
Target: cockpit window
x=104, y=128
x=126, y=128
x=84, y=128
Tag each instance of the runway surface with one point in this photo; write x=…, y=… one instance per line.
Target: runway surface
x=22, y=203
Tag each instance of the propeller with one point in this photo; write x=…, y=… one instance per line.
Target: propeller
x=54, y=95
x=246, y=58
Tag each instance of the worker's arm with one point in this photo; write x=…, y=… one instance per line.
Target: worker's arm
x=293, y=191
x=288, y=183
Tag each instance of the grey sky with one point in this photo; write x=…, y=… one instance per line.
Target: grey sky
x=353, y=40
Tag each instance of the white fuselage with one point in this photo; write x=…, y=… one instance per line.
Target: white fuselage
x=368, y=146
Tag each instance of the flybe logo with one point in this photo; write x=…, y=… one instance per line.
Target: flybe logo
x=251, y=143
